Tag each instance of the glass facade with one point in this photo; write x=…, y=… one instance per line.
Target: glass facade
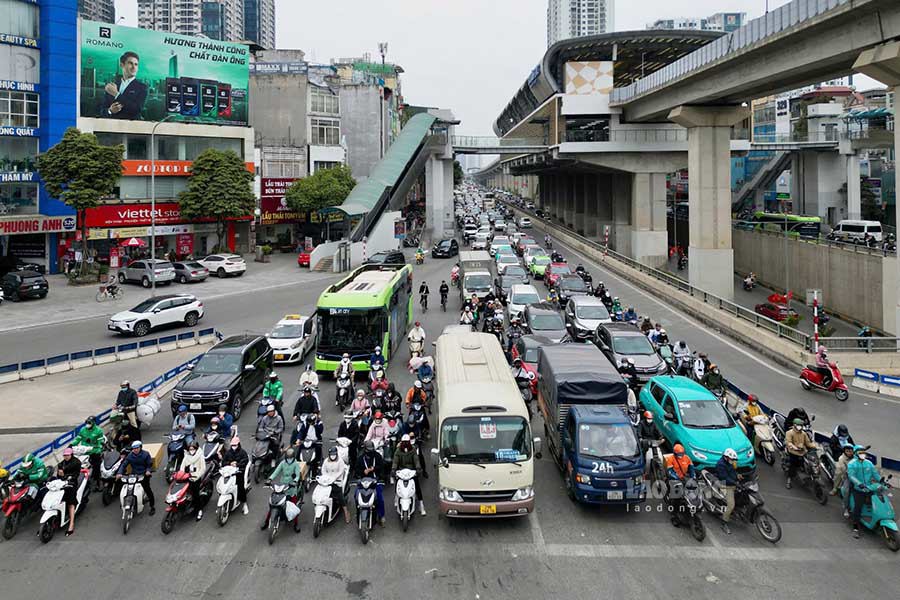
x=18, y=199
x=20, y=18
x=18, y=109
x=169, y=147
x=18, y=154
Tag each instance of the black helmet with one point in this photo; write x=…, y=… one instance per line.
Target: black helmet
x=194, y=445
x=222, y=408
x=311, y=418
x=332, y=452
x=370, y=446
x=842, y=430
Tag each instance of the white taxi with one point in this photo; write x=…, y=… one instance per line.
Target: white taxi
x=292, y=337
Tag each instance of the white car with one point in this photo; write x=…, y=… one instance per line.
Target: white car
x=480, y=242
x=156, y=312
x=520, y=296
x=500, y=240
x=524, y=223
x=224, y=265
x=292, y=337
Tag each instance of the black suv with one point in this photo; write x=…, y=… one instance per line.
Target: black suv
x=17, y=285
x=393, y=257
x=624, y=340
x=445, y=248
x=231, y=372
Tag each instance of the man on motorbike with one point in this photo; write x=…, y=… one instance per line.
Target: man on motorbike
x=840, y=438
x=273, y=426
x=194, y=464
x=344, y=368
x=513, y=333
x=286, y=473
x=726, y=473
x=377, y=360
x=417, y=335
x=646, y=325
x=306, y=404
x=751, y=410
x=553, y=296
x=488, y=314
x=420, y=256
x=616, y=305
x=309, y=378
x=662, y=339
x=425, y=370
x=444, y=291
x=33, y=469
x=679, y=465
x=629, y=371
x=126, y=403
x=226, y=421
x=371, y=464
x=335, y=468
x=864, y=480
x=749, y=281
x=822, y=366
x=798, y=443
x=405, y=458
x=630, y=315
x=841, y=483
x=600, y=290
x=682, y=355
x=185, y=423
x=139, y=462
x=548, y=243
x=393, y=401
x=274, y=390
x=713, y=379
x=648, y=432
x=310, y=429
x=236, y=456
x=92, y=436
x=349, y=429
x=416, y=393
x=654, y=333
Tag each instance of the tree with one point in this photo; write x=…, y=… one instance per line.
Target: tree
x=219, y=187
x=458, y=174
x=870, y=210
x=324, y=188
x=80, y=172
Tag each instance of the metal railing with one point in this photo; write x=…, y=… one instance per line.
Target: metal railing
x=768, y=25
x=821, y=240
x=636, y=136
x=475, y=141
x=814, y=137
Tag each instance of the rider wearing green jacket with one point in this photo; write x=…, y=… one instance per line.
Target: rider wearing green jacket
x=274, y=389
x=34, y=469
x=287, y=473
x=91, y=435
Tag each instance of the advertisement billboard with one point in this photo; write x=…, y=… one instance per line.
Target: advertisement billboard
x=273, y=206
x=145, y=75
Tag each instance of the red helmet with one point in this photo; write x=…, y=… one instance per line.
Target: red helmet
x=752, y=398
x=648, y=414
x=418, y=324
x=377, y=414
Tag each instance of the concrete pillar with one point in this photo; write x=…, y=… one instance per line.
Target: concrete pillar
x=439, y=196
x=590, y=205
x=854, y=188
x=797, y=181
x=580, y=187
x=620, y=212
x=710, y=255
x=883, y=63
x=556, y=198
x=649, y=235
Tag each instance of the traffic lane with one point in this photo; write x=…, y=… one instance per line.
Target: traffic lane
x=870, y=417
x=255, y=312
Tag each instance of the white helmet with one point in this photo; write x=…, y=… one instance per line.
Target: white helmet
x=730, y=454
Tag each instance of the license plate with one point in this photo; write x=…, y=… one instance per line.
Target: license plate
x=35, y=287
x=279, y=357
x=488, y=509
x=614, y=495
x=195, y=406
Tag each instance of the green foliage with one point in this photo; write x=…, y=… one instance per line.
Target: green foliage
x=324, y=188
x=267, y=249
x=869, y=209
x=219, y=187
x=791, y=320
x=458, y=174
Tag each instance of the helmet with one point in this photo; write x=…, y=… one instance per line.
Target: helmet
x=713, y=366
x=370, y=446
x=311, y=418
x=136, y=444
x=730, y=454
x=222, y=408
x=648, y=414
x=678, y=449
x=798, y=421
x=631, y=361
x=823, y=349
x=418, y=324
x=270, y=408
x=517, y=361
x=848, y=446
x=182, y=408
x=332, y=452
x=662, y=331
x=125, y=383
x=214, y=420
x=289, y=453
x=273, y=375
x=360, y=393
x=377, y=348
x=842, y=430
x=68, y=452
x=418, y=384
x=751, y=398
x=235, y=441
x=405, y=437
x=347, y=356
x=307, y=390
x=858, y=448
x=89, y=421
x=309, y=368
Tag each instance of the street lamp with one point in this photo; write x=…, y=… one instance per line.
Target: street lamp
x=153, y=203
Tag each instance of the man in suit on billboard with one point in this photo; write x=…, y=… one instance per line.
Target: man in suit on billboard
x=124, y=97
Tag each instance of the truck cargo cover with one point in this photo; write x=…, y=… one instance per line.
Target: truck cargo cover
x=579, y=374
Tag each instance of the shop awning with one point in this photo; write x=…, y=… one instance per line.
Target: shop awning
x=865, y=114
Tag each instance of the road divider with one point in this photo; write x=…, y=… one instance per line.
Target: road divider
x=889, y=385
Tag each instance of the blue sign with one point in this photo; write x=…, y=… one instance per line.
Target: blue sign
x=18, y=40
x=888, y=380
x=20, y=131
x=869, y=375
x=18, y=86
x=18, y=177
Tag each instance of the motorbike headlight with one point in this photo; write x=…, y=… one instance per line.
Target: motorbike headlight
x=450, y=495
x=523, y=493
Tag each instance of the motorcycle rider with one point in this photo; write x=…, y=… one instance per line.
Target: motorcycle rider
x=379, y=382
x=344, y=368
x=662, y=339
x=488, y=314
x=416, y=393
x=648, y=432
x=751, y=410
x=424, y=291
x=547, y=241
x=749, y=281
x=646, y=325
x=226, y=421
x=360, y=404
x=378, y=429
x=236, y=456
x=309, y=379
x=126, y=403
x=371, y=464
x=92, y=436
x=184, y=423
x=288, y=473
x=274, y=390
x=273, y=426
x=139, y=463
x=726, y=473
x=393, y=401
x=417, y=335
x=306, y=404
x=798, y=443
x=616, y=305
x=553, y=296
x=467, y=318
x=840, y=438
x=33, y=469
x=600, y=290
x=682, y=355
x=713, y=379
x=513, y=333
x=822, y=366
x=425, y=370
x=350, y=429
x=654, y=333
x=405, y=458
x=444, y=291
x=125, y=434
x=335, y=468
x=194, y=464
x=864, y=480
x=679, y=465
x=310, y=429
x=69, y=469
x=840, y=477
x=627, y=368
x=630, y=315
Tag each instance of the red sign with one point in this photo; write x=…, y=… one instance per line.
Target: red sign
x=38, y=224
x=275, y=210
x=184, y=243
x=131, y=215
x=275, y=186
x=163, y=168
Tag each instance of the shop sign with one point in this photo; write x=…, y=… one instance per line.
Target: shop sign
x=36, y=224
x=276, y=210
x=184, y=243
x=17, y=176
x=164, y=168
x=20, y=131
x=18, y=40
x=17, y=86
x=131, y=215
x=327, y=217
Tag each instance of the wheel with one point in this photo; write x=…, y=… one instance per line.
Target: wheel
x=101, y=296
x=317, y=527
x=820, y=493
x=15, y=297
x=768, y=456
x=768, y=526
x=107, y=496
x=364, y=535
x=698, y=529
x=404, y=521
x=182, y=279
x=805, y=385
x=48, y=528
x=141, y=329
x=222, y=514
x=126, y=522
x=273, y=529
x=891, y=539
x=121, y=277
x=297, y=524
x=145, y=281
x=841, y=395
x=237, y=406
x=168, y=523
x=11, y=526
x=191, y=319
x=220, y=273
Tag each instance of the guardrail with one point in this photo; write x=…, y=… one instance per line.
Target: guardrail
x=80, y=359
x=760, y=228
x=65, y=439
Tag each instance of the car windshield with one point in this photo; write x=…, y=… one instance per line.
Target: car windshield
x=592, y=312
x=146, y=305
x=287, y=330
x=356, y=332
x=514, y=271
x=632, y=344
x=478, y=282
x=604, y=441
x=561, y=269
x=525, y=298
x=541, y=260
x=546, y=322
x=507, y=250
x=485, y=440
x=704, y=414
x=213, y=363
x=444, y=244
x=572, y=284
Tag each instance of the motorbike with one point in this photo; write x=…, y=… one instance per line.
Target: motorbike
x=18, y=504
x=810, y=474
x=878, y=514
x=811, y=378
x=405, y=496
x=749, y=284
x=227, y=490
x=749, y=505
x=524, y=385
x=685, y=505
x=282, y=508
x=56, y=514
x=420, y=258
x=665, y=352
x=131, y=498
x=263, y=456
x=174, y=452
x=178, y=500
x=415, y=348
x=326, y=510
x=212, y=444
x=308, y=464
x=683, y=365
x=415, y=420
x=656, y=462
x=763, y=439
x=344, y=392
x=428, y=388
x=365, y=507
x=109, y=467
x=454, y=276
x=682, y=262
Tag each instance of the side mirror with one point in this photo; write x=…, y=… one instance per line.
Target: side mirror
x=249, y=368
x=538, y=445
x=435, y=458
x=156, y=310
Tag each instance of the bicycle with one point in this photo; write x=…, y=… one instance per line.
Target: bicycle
x=423, y=302
x=105, y=294
x=444, y=302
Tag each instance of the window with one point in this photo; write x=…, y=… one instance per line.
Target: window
x=283, y=168
x=20, y=18
x=323, y=101
x=18, y=109
x=18, y=198
x=657, y=392
x=325, y=164
x=325, y=132
x=18, y=154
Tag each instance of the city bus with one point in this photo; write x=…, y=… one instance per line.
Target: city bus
x=373, y=306
x=801, y=225
x=485, y=454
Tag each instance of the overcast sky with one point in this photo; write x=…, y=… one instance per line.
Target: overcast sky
x=467, y=55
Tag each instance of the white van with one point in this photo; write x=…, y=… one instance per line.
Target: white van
x=485, y=454
x=855, y=231
x=520, y=296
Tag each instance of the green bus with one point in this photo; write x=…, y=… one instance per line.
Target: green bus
x=373, y=306
x=801, y=225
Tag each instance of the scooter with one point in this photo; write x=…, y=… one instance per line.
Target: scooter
x=56, y=513
x=308, y=464
x=415, y=420
x=682, y=262
x=811, y=378
x=282, y=508
x=763, y=439
x=174, y=452
x=748, y=504
x=879, y=515
x=326, y=511
x=18, y=503
x=749, y=285
x=344, y=392
x=365, y=507
x=415, y=348
x=810, y=473
x=131, y=498
x=263, y=456
x=428, y=388
x=454, y=276
x=685, y=505
x=212, y=444
x=178, y=500
x=405, y=496
x=227, y=490
x=420, y=258
x=109, y=467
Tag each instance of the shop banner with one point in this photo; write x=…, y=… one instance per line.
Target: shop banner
x=184, y=244
x=134, y=215
x=276, y=210
x=164, y=168
x=145, y=75
x=36, y=224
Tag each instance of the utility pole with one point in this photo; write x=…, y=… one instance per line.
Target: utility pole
x=382, y=49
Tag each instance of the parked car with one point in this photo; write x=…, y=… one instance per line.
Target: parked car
x=778, y=312
x=524, y=223
x=143, y=271
x=445, y=248
x=292, y=337
x=303, y=257
x=158, y=311
x=190, y=272
x=624, y=340
x=543, y=319
x=584, y=314
x=232, y=373
x=9, y=264
x=390, y=257
x=225, y=265
x=18, y=285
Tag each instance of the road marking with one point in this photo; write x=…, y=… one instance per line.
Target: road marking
x=536, y=533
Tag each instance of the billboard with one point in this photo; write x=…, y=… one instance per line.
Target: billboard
x=144, y=75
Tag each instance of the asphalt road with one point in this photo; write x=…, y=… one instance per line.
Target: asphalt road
x=564, y=550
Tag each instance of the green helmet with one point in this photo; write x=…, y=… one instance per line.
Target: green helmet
x=28, y=460
x=115, y=417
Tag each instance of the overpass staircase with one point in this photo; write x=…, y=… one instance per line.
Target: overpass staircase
x=762, y=179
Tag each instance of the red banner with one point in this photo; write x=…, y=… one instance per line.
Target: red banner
x=275, y=210
x=163, y=168
x=184, y=243
x=131, y=215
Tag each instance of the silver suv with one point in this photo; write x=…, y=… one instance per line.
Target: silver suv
x=140, y=271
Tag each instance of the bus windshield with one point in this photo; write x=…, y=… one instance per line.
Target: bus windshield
x=356, y=332
x=485, y=440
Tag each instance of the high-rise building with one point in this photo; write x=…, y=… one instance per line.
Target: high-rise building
x=578, y=18
x=726, y=22
x=259, y=22
x=98, y=10
x=216, y=19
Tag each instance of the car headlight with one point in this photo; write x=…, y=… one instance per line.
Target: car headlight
x=296, y=344
x=749, y=452
x=699, y=454
x=579, y=478
x=450, y=495
x=523, y=493
x=225, y=394
x=129, y=320
x=638, y=479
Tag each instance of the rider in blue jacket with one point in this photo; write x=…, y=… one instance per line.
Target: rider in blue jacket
x=864, y=480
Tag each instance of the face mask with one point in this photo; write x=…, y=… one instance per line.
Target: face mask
x=405, y=445
x=862, y=456
x=289, y=459
x=649, y=421
x=797, y=427
x=123, y=389
x=234, y=447
x=192, y=452
x=716, y=371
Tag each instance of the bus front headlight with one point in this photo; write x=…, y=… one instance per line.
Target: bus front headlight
x=450, y=495
x=523, y=493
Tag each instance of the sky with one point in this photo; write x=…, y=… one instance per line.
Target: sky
x=470, y=56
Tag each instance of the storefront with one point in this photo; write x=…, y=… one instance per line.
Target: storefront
x=34, y=239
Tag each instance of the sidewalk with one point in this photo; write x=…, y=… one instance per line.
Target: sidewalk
x=67, y=303
x=36, y=412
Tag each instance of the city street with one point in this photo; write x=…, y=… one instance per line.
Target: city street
x=563, y=550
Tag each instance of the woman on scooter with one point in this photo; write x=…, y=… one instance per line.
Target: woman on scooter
x=335, y=467
x=864, y=479
x=69, y=469
x=405, y=458
x=288, y=473
x=822, y=366
x=194, y=464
